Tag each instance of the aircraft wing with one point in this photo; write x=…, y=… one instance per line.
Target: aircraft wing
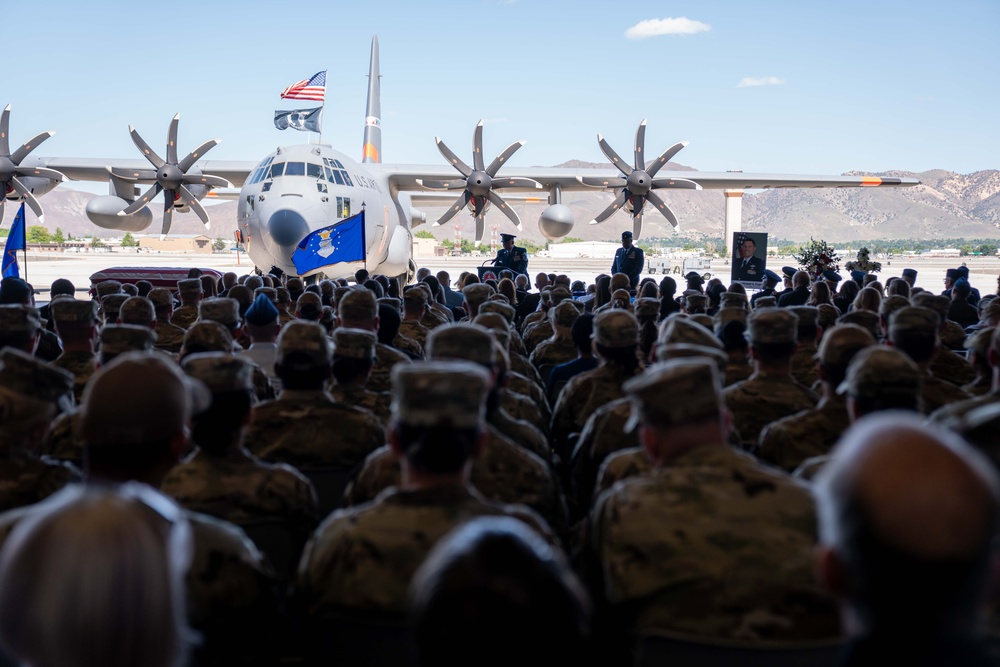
x=90, y=169
x=406, y=177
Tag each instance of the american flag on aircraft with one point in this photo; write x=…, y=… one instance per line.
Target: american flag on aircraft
x=308, y=89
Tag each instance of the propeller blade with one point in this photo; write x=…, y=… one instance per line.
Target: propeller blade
x=440, y=185
x=675, y=183
x=480, y=227
x=459, y=204
x=5, y=132
x=455, y=161
x=505, y=209
x=665, y=157
x=168, y=213
x=23, y=151
x=193, y=156
x=662, y=207
x=188, y=198
x=640, y=145
x=610, y=153
x=477, y=147
x=517, y=182
x=144, y=148
x=206, y=179
x=592, y=182
x=609, y=211
x=503, y=157
x=637, y=223
x=41, y=172
x=146, y=197
x=172, y=139
x=132, y=175
x=29, y=199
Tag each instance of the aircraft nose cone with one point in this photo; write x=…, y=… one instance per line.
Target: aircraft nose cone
x=287, y=227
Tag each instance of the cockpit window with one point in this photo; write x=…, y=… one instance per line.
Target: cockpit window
x=277, y=169
x=337, y=177
x=295, y=169
x=314, y=170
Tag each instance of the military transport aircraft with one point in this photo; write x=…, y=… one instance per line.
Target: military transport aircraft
x=298, y=189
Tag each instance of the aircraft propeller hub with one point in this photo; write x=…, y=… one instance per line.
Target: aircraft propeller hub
x=639, y=182
x=479, y=183
x=7, y=169
x=169, y=176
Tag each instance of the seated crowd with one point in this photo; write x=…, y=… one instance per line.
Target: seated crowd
x=257, y=471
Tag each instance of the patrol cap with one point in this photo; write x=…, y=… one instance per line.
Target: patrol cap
x=726, y=315
x=223, y=310
x=616, y=328
x=673, y=393
x=772, y=325
x=19, y=319
x=111, y=305
x=840, y=344
x=626, y=234
x=270, y=292
x=771, y=278
x=220, y=372
x=789, y=271
x=697, y=301
x=295, y=285
x=354, y=343
x=694, y=277
x=645, y=309
x=261, y=312
x=390, y=301
x=67, y=311
x=808, y=316
x=304, y=345
x=914, y=320
x=440, y=393
x=507, y=237
x=161, y=297
x=832, y=276
x=703, y=320
x=477, y=292
x=733, y=300
x=243, y=296
x=189, y=287
x=207, y=336
x=878, y=371
x=415, y=295
x=910, y=273
x=981, y=341
x=24, y=375
x=102, y=289
x=283, y=295
x=505, y=309
x=468, y=342
x=497, y=327
x=309, y=306
x=679, y=329
x=137, y=310
x=765, y=302
x=502, y=298
x=690, y=350
x=121, y=338
x=357, y=305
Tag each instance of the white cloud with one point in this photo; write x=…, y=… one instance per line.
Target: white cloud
x=751, y=81
x=667, y=26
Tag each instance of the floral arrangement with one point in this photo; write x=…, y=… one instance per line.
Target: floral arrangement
x=816, y=257
x=863, y=263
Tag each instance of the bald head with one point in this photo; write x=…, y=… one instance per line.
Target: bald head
x=910, y=511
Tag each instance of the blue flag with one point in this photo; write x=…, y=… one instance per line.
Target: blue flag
x=16, y=240
x=342, y=242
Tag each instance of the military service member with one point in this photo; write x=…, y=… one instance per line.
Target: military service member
x=358, y=309
x=629, y=259
x=511, y=256
x=353, y=360
x=189, y=291
x=76, y=324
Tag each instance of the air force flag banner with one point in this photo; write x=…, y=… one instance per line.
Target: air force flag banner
x=342, y=242
x=305, y=120
x=15, y=241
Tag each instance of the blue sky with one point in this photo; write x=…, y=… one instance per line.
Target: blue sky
x=827, y=86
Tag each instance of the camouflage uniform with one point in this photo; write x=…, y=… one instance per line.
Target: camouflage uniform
x=763, y=399
x=937, y=393
x=169, y=337
x=503, y=472
x=583, y=396
x=364, y=557
x=953, y=412
x=385, y=358
x=415, y=331
x=952, y=368
x=602, y=435
x=737, y=369
x=536, y=334
x=716, y=546
x=185, y=316
x=81, y=365
x=62, y=442
x=553, y=352
x=308, y=429
x=408, y=346
x=788, y=442
x=521, y=432
x=804, y=368
x=620, y=465
x=357, y=396
x=239, y=488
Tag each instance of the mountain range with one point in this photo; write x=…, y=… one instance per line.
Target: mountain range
x=944, y=205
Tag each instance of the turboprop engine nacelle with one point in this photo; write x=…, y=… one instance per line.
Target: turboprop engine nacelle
x=103, y=212
x=556, y=221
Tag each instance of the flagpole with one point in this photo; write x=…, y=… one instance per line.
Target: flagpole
x=323, y=108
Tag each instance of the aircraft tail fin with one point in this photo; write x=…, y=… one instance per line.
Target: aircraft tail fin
x=373, y=110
